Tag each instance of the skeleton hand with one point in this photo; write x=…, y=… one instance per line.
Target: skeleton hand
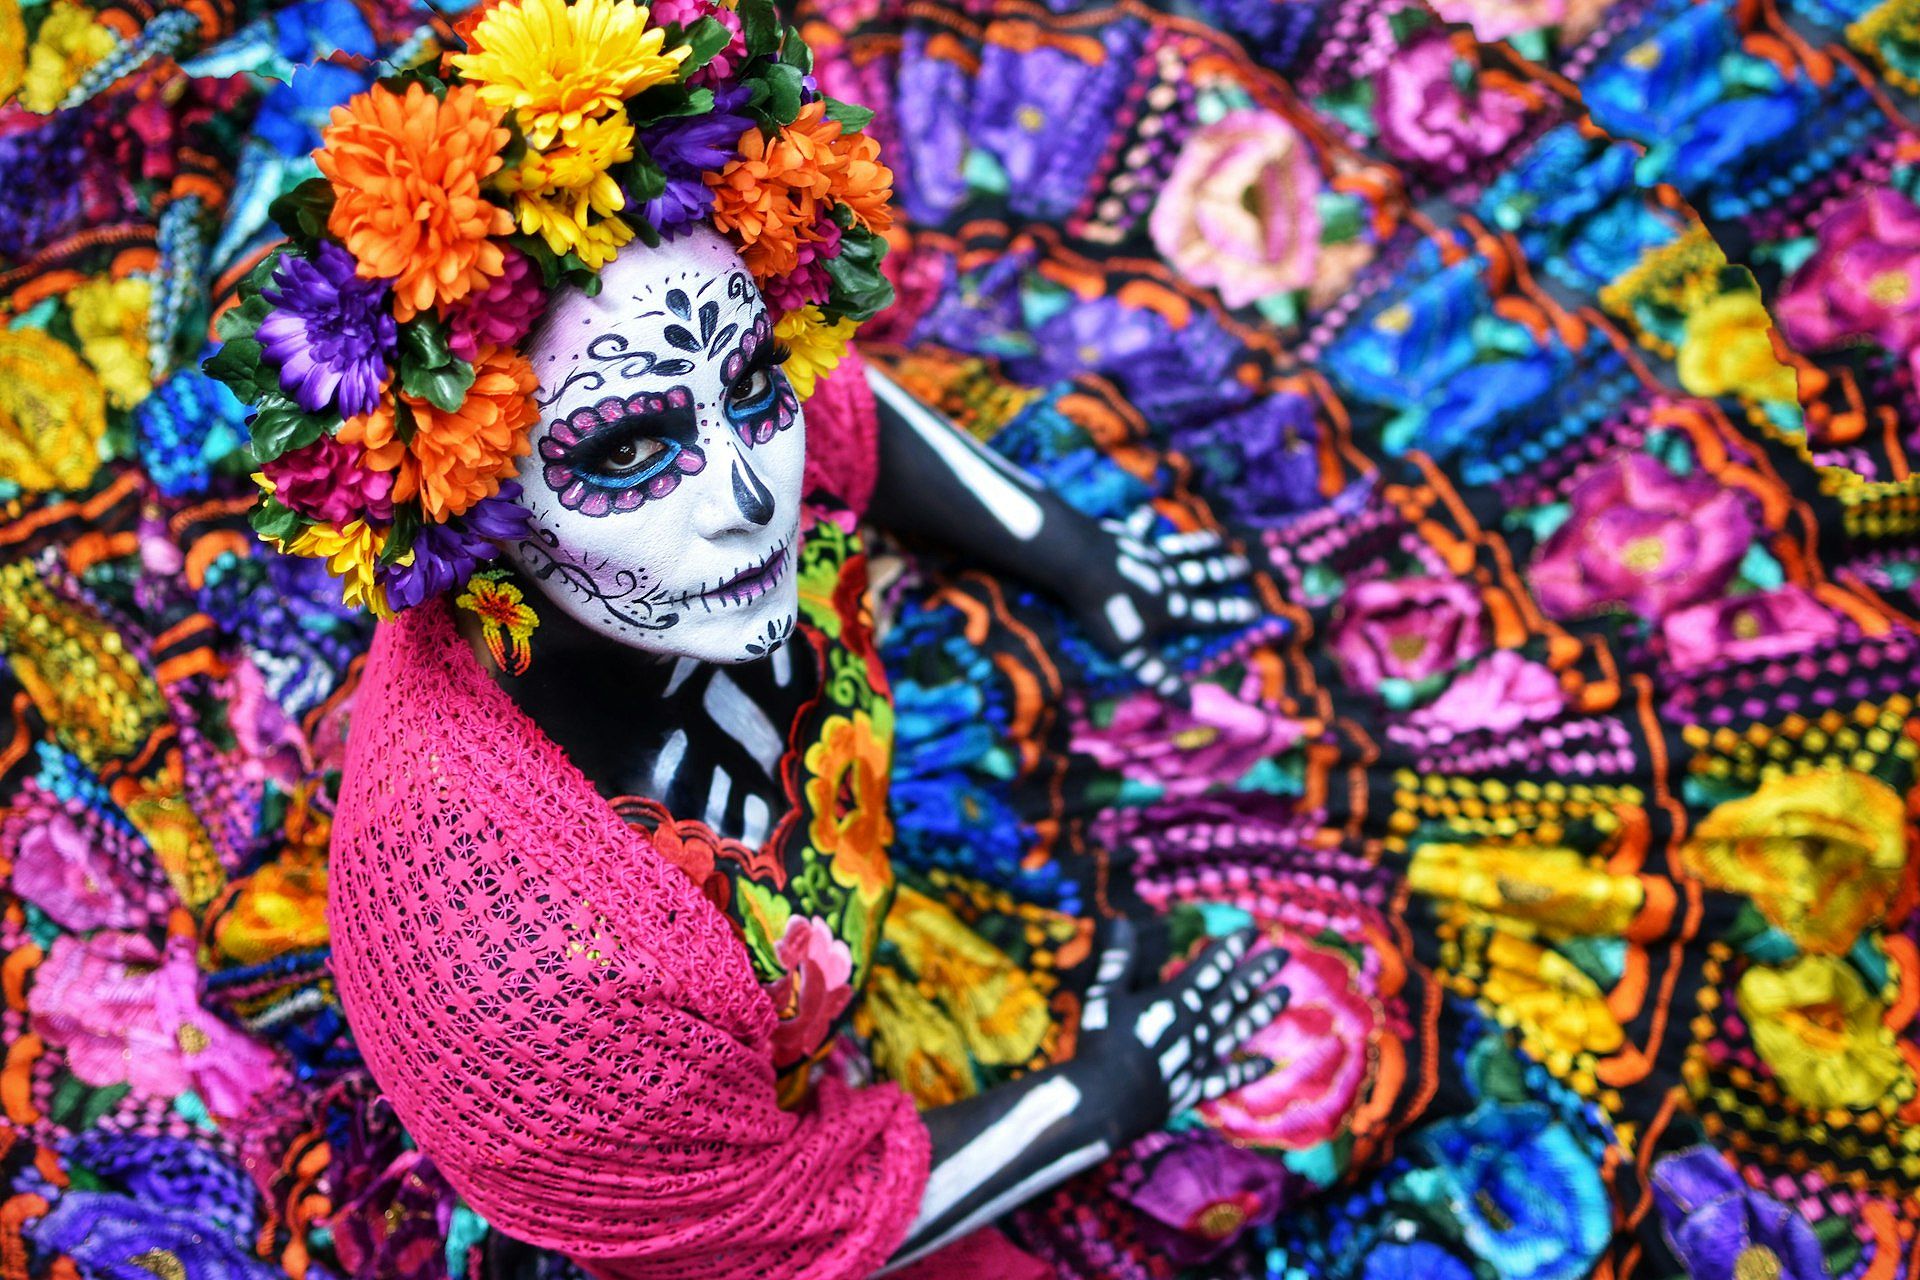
x=1155, y=585
x=1188, y=1032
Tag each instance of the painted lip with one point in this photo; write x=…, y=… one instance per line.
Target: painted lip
x=745, y=586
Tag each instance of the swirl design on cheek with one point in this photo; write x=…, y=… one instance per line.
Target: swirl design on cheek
x=758, y=400
x=619, y=454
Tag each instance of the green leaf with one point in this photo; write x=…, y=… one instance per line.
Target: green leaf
x=760, y=26
x=546, y=259
x=274, y=520
x=302, y=212
x=241, y=321
x=643, y=179
x=705, y=39
x=240, y=365
x=784, y=89
x=400, y=81
x=795, y=52
x=443, y=387
x=645, y=232
x=851, y=118
x=423, y=342
x=403, y=424
x=860, y=290
x=406, y=527
x=281, y=426
x=668, y=102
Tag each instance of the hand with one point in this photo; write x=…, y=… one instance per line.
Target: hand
x=1147, y=586
x=1187, y=1035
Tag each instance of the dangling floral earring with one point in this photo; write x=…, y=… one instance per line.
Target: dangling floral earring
x=507, y=621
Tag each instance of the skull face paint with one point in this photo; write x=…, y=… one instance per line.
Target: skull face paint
x=665, y=477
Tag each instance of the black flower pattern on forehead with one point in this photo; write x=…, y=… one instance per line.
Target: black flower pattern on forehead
x=701, y=332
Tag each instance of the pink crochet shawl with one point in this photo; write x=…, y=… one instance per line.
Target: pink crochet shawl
x=566, y=1026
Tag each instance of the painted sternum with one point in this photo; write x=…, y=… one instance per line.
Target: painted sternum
x=622, y=452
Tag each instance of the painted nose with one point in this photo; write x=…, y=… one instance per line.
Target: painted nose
x=753, y=498
x=735, y=500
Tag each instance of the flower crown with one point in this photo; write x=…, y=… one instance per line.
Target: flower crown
x=377, y=346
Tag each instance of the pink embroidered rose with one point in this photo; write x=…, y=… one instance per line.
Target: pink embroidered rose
x=1186, y=753
x=127, y=1014
x=1407, y=629
x=1498, y=696
x=1642, y=539
x=1427, y=119
x=1767, y=624
x=816, y=989
x=1498, y=19
x=1238, y=210
x=1321, y=1042
x=1863, y=281
x=57, y=868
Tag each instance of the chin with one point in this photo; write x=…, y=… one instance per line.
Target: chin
x=733, y=634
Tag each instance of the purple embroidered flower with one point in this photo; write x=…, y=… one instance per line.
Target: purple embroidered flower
x=685, y=150
x=1407, y=629
x=932, y=149
x=397, y=1225
x=1720, y=1228
x=1260, y=461
x=330, y=332
x=47, y=193
x=446, y=555
x=1044, y=112
x=1186, y=751
x=114, y=1238
x=171, y=1173
x=1642, y=539
x=1427, y=119
x=1200, y=1194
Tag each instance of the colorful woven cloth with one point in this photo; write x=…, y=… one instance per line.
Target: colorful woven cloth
x=1559, y=355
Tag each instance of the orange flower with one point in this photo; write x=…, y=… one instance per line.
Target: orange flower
x=406, y=175
x=773, y=197
x=455, y=459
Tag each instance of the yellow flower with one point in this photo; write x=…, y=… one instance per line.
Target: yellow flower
x=110, y=319
x=69, y=42
x=1819, y=853
x=350, y=553
x=1001, y=1015
x=1555, y=890
x=561, y=189
x=914, y=1043
x=1557, y=1008
x=847, y=774
x=1819, y=1028
x=53, y=413
x=507, y=621
x=1726, y=351
x=556, y=64
x=13, y=49
x=815, y=346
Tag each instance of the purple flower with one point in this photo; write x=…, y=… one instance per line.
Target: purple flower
x=330, y=332
x=1260, y=461
x=446, y=555
x=113, y=1238
x=1719, y=1227
x=685, y=149
x=48, y=187
x=1426, y=118
x=171, y=1173
x=1200, y=1193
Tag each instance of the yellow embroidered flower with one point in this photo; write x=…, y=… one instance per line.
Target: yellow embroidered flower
x=350, y=552
x=13, y=49
x=53, y=412
x=1725, y=351
x=507, y=621
x=68, y=43
x=1819, y=853
x=1559, y=1010
x=557, y=64
x=847, y=773
x=1556, y=890
x=559, y=191
x=1000, y=1014
x=110, y=319
x=1816, y=1024
x=816, y=347
x=914, y=1043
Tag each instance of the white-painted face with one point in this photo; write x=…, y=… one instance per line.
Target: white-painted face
x=666, y=469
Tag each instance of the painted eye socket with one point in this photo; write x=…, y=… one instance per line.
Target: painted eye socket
x=629, y=461
x=751, y=391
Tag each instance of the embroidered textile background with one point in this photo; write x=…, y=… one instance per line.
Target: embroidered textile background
x=1559, y=354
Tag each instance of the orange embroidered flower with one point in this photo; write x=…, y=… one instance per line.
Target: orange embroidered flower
x=406, y=175
x=848, y=770
x=454, y=459
x=774, y=197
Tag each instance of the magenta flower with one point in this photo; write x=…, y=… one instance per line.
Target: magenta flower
x=125, y=1014
x=1426, y=118
x=330, y=333
x=1498, y=19
x=1237, y=211
x=58, y=869
x=1644, y=540
x=1498, y=696
x=500, y=314
x=1200, y=1194
x=688, y=12
x=1407, y=629
x=1322, y=1042
x=1766, y=624
x=807, y=283
x=1863, y=281
x=1186, y=753
x=815, y=990
x=331, y=481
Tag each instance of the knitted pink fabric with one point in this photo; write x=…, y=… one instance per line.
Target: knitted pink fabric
x=843, y=435
x=566, y=1026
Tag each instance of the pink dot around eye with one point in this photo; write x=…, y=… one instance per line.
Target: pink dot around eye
x=689, y=463
x=596, y=503
x=678, y=398
x=663, y=484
